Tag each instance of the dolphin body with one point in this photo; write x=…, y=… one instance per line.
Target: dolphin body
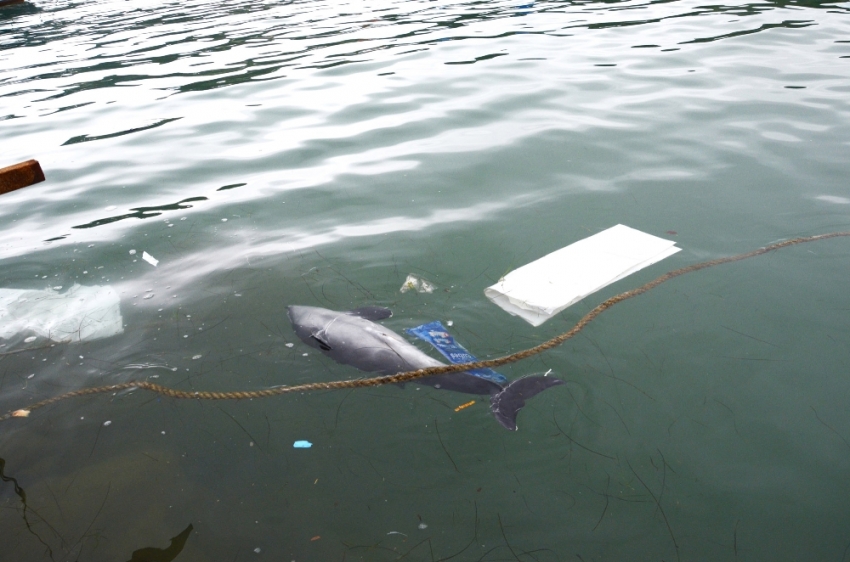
x=353, y=338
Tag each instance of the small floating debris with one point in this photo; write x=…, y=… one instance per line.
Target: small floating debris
x=21, y=414
x=417, y=285
x=150, y=259
x=302, y=444
x=464, y=406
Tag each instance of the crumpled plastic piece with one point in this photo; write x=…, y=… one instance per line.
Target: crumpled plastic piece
x=79, y=314
x=537, y=291
x=435, y=334
x=416, y=284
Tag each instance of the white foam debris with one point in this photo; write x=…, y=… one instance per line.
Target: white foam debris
x=537, y=291
x=150, y=259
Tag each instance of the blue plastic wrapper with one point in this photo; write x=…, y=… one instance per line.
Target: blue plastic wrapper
x=302, y=444
x=435, y=334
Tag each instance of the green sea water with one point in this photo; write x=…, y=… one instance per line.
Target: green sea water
x=317, y=153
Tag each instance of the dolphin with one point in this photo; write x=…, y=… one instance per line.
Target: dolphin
x=353, y=338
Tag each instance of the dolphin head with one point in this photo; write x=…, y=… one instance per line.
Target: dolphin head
x=308, y=323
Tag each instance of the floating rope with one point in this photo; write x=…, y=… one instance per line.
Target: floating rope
x=430, y=371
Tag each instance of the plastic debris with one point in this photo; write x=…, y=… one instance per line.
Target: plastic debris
x=435, y=334
x=537, y=291
x=464, y=406
x=150, y=259
x=416, y=284
x=422, y=526
x=21, y=414
x=79, y=314
x=302, y=444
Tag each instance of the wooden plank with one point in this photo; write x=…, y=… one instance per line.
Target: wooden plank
x=20, y=175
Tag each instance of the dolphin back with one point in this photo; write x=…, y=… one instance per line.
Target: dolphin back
x=506, y=404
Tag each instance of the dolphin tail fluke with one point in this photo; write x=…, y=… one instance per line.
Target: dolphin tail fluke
x=507, y=404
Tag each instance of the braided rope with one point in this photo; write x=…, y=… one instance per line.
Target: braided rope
x=430, y=371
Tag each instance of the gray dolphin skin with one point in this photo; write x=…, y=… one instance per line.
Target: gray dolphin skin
x=353, y=338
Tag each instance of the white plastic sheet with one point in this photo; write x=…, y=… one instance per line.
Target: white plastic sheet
x=539, y=290
x=79, y=314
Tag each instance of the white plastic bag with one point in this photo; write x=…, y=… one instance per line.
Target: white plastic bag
x=539, y=290
x=79, y=314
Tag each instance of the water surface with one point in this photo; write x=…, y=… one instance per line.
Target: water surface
x=275, y=153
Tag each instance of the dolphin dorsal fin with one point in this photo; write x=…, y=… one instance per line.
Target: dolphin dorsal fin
x=372, y=312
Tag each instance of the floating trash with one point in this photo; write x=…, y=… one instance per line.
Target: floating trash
x=150, y=259
x=416, y=284
x=79, y=314
x=302, y=445
x=464, y=406
x=435, y=334
x=537, y=291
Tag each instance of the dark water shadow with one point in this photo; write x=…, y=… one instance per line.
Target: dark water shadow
x=141, y=213
x=151, y=554
x=86, y=138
